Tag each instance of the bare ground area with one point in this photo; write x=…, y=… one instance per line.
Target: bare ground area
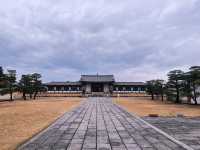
x=20, y=120
x=145, y=106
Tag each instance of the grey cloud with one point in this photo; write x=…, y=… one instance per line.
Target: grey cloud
x=136, y=40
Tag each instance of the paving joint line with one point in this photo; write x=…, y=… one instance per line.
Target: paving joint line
x=87, y=126
x=158, y=130
x=96, y=122
x=116, y=129
x=37, y=135
x=129, y=133
x=71, y=116
x=86, y=109
x=105, y=126
x=114, y=126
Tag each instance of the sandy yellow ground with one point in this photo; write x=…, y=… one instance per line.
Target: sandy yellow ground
x=20, y=120
x=145, y=106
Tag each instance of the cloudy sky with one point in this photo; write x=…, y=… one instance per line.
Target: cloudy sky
x=135, y=40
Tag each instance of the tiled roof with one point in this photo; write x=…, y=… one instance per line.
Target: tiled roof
x=97, y=78
x=63, y=83
x=129, y=83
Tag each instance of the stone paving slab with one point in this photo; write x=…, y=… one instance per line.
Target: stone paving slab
x=186, y=130
x=100, y=124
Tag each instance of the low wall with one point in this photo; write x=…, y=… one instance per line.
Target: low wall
x=71, y=94
x=129, y=94
x=79, y=94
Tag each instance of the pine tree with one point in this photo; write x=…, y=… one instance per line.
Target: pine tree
x=175, y=80
x=194, y=80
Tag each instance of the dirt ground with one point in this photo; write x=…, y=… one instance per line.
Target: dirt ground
x=145, y=106
x=20, y=120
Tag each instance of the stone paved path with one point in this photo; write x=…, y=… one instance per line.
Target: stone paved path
x=186, y=130
x=99, y=124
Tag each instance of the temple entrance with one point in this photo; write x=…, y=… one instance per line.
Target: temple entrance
x=97, y=87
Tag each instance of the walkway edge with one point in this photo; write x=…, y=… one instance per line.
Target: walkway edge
x=31, y=139
x=158, y=130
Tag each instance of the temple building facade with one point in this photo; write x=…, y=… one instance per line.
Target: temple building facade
x=96, y=85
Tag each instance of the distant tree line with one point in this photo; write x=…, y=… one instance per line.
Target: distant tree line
x=179, y=85
x=30, y=84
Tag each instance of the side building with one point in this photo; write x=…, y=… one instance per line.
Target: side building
x=95, y=85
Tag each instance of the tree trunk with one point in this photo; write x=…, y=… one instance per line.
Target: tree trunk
x=195, y=95
x=177, y=95
x=24, y=95
x=162, y=96
x=11, y=96
x=35, y=95
x=195, y=101
x=152, y=96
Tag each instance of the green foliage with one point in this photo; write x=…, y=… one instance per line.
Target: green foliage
x=174, y=84
x=179, y=85
x=186, y=87
x=193, y=79
x=9, y=82
x=155, y=87
x=25, y=85
x=2, y=79
x=1, y=71
x=30, y=84
x=150, y=88
x=160, y=88
x=37, y=83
